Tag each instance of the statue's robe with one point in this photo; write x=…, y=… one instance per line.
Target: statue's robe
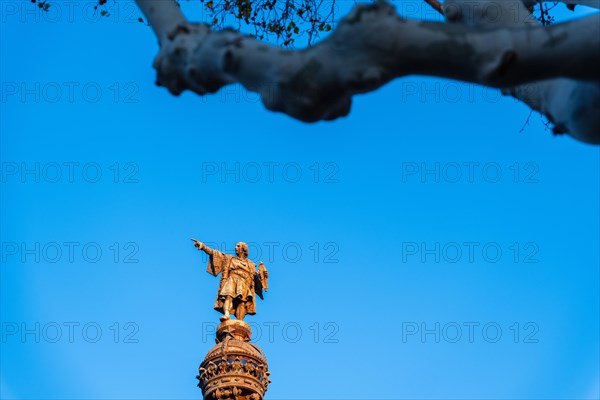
x=239, y=283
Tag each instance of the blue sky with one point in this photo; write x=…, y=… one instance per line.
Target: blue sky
x=423, y=247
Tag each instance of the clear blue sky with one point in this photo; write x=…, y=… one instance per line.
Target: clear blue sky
x=386, y=282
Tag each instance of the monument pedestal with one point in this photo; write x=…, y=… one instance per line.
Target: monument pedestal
x=234, y=369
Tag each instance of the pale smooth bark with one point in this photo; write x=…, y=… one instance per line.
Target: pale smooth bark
x=163, y=16
x=571, y=105
x=372, y=46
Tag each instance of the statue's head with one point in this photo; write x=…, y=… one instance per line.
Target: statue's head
x=241, y=249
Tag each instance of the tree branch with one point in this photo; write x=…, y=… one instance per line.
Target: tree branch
x=370, y=47
x=571, y=105
x=436, y=5
x=588, y=3
x=163, y=16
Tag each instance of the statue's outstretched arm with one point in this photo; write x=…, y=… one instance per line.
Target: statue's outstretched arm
x=201, y=246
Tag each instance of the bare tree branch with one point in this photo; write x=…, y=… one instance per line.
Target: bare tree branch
x=588, y=3
x=370, y=47
x=436, y=5
x=163, y=16
x=571, y=105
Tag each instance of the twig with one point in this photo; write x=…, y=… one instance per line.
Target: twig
x=436, y=5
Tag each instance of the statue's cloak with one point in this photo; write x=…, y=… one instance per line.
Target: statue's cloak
x=239, y=283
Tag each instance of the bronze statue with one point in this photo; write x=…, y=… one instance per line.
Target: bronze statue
x=239, y=280
x=234, y=368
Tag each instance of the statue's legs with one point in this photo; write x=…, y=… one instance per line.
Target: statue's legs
x=240, y=311
x=226, y=307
